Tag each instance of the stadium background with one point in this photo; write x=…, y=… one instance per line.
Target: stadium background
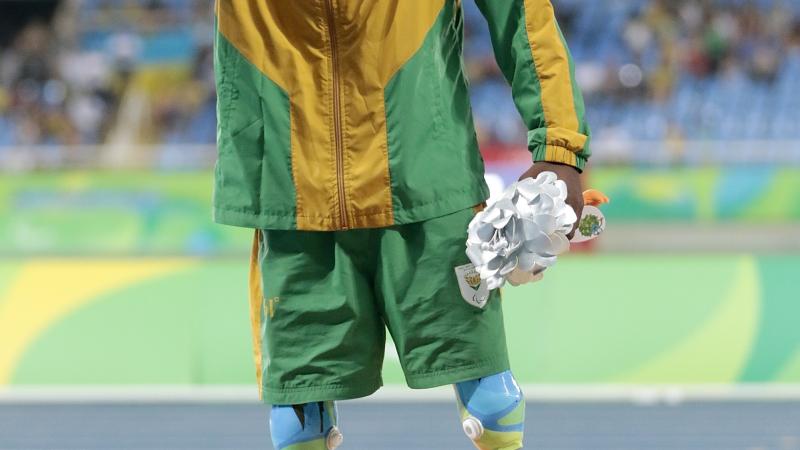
x=112, y=274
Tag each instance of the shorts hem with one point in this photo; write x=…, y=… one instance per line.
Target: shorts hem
x=318, y=393
x=457, y=374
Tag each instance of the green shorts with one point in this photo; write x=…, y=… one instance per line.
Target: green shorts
x=321, y=303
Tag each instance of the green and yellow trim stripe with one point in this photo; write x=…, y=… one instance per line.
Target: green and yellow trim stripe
x=256, y=307
x=553, y=69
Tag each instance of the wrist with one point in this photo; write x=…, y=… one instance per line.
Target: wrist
x=559, y=155
x=555, y=165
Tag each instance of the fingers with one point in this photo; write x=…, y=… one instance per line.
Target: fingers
x=576, y=202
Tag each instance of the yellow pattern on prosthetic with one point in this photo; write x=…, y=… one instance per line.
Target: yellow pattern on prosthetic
x=498, y=440
x=504, y=440
x=318, y=444
x=494, y=414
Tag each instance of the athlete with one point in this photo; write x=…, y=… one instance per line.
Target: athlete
x=346, y=141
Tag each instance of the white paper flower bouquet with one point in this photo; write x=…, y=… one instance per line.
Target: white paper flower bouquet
x=520, y=235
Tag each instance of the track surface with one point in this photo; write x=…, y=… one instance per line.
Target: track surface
x=394, y=426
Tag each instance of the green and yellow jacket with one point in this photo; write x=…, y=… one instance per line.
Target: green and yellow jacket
x=339, y=114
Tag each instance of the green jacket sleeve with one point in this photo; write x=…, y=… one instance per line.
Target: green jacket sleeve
x=534, y=58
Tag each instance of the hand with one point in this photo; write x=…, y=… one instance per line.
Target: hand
x=571, y=177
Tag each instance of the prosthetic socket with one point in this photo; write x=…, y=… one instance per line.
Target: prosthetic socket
x=311, y=426
x=492, y=411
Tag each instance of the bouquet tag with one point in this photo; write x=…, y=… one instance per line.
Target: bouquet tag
x=592, y=224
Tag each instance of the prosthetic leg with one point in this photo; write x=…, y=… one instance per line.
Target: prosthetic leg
x=311, y=426
x=492, y=411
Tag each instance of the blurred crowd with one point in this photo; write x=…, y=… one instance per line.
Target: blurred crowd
x=101, y=68
x=122, y=71
x=664, y=70
x=44, y=99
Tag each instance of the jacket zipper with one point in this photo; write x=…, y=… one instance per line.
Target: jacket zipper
x=337, y=114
